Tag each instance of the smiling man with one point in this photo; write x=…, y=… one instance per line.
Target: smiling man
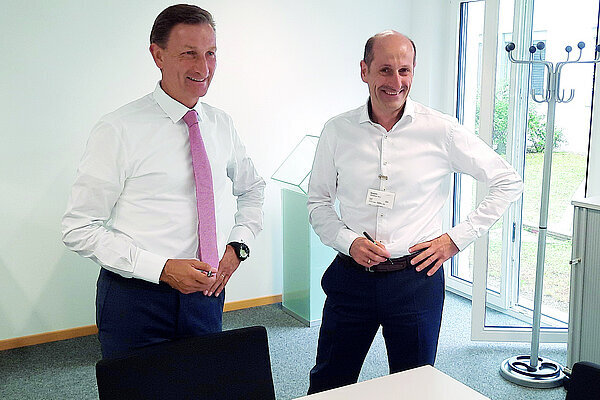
x=147, y=201
x=389, y=164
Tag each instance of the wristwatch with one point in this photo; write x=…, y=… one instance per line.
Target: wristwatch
x=241, y=250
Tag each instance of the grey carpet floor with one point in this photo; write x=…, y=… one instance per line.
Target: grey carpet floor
x=65, y=369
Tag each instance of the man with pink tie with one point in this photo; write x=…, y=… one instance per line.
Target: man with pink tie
x=147, y=201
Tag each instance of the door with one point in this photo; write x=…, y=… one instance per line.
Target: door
x=493, y=98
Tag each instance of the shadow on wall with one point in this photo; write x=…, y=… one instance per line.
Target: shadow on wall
x=43, y=286
x=69, y=293
x=63, y=299
x=10, y=288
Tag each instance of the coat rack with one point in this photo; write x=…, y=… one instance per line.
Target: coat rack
x=533, y=370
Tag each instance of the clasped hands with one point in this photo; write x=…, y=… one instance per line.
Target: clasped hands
x=434, y=253
x=191, y=275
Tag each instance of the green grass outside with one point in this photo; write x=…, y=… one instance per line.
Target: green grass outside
x=568, y=171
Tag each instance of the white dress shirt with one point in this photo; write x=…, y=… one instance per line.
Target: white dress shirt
x=417, y=156
x=133, y=203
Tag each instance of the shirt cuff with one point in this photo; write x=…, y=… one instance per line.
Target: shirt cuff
x=148, y=266
x=462, y=235
x=344, y=240
x=241, y=234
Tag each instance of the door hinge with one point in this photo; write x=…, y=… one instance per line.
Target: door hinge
x=514, y=231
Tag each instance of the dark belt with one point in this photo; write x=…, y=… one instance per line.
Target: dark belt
x=391, y=265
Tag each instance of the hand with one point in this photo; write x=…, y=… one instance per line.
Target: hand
x=188, y=275
x=367, y=253
x=227, y=266
x=435, y=252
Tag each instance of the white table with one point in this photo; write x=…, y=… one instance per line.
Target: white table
x=423, y=383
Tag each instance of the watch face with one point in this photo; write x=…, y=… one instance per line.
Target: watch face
x=244, y=251
x=241, y=250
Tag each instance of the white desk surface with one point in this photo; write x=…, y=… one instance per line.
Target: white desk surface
x=423, y=383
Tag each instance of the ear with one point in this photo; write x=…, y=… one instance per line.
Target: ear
x=157, y=54
x=363, y=70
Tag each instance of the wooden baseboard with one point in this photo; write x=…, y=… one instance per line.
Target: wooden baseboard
x=259, y=301
x=47, y=337
x=70, y=333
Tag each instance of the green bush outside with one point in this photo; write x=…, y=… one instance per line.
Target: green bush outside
x=536, y=124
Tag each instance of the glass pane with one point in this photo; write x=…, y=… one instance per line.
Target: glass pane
x=553, y=26
x=497, y=248
x=463, y=261
x=472, y=14
x=513, y=249
x=296, y=168
x=470, y=48
x=558, y=27
x=496, y=295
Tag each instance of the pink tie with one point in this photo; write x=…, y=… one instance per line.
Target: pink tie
x=205, y=202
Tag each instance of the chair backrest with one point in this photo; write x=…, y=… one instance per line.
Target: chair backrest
x=232, y=364
x=584, y=383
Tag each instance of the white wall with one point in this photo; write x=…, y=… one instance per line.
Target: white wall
x=284, y=68
x=433, y=33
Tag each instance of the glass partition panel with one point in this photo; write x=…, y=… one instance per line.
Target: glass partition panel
x=295, y=169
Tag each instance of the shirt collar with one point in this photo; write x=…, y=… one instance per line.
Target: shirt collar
x=364, y=113
x=174, y=109
x=409, y=109
x=409, y=112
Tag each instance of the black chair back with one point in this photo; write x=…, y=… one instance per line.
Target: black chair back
x=584, y=383
x=227, y=365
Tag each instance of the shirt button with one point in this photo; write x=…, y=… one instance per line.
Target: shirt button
x=381, y=215
x=385, y=163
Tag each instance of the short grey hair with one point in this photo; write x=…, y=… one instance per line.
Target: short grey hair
x=368, y=55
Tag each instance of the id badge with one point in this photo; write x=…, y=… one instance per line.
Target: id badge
x=379, y=198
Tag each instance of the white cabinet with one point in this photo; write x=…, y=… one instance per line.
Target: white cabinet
x=584, y=303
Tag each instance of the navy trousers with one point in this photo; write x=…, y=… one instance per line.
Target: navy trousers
x=407, y=305
x=133, y=313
